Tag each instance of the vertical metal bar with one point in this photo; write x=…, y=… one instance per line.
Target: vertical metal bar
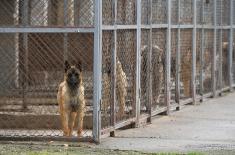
x=202, y=63
x=25, y=46
x=138, y=62
x=178, y=68
x=65, y=34
x=220, y=62
x=113, y=103
x=231, y=47
x=202, y=54
x=16, y=43
x=150, y=64
x=168, y=59
x=194, y=52
x=220, y=51
x=97, y=72
x=214, y=52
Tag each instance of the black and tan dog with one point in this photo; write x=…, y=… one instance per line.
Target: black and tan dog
x=71, y=99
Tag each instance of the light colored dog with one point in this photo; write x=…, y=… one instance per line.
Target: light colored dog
x=71, y=100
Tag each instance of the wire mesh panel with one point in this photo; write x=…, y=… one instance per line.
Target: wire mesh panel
x=126, y=12
x=145, y=11
x=107, y=78
x=208, y=12
x=174, y=11
x=199, y=17
x=158, y=68
x=125, y=74
x=145, y=70
x=199, y=58
x=107, y=12
x=186, y=11
x=226, y=12
x=10, y=81
x=47, y=13
x=233, y=12
x=225, y=58
x=159, y=11
x=219, y=15
x=218, y=60
x=207, y=61
x=80, y=52
x=186, y=63
x=174, y=45
x=10, y=12
x=36, y=71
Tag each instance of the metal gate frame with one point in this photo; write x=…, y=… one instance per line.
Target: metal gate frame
x=194, y=27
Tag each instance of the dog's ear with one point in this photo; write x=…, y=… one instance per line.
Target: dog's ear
x=66, y=66
x=109, y=71
x=79, y=66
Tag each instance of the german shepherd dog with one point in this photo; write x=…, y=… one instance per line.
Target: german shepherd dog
x=71, y=101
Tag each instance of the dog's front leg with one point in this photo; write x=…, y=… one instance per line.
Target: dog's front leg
x=72, y=118
x=80, y=124
x=80, y=113
x=63, y=116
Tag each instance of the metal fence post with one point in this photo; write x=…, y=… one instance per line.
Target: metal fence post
x=25, y=46
x=214, y=52
x=220, y=50
x=231, y=47
x=65, y=34
x=194, y=52
x=178, y=55
x=113, y=103
x=97, y=71
x=202, y=53
x=150, y=64
x=138, y=62
x=168, y=58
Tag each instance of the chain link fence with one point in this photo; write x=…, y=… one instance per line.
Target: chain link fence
x=145, y=71
x=139, y=58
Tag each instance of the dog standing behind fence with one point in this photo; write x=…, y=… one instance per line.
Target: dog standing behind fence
x=71, y=99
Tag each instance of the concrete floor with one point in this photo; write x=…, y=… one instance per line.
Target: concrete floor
x=208, y=126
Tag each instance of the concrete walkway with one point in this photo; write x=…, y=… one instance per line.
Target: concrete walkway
x=208, y=126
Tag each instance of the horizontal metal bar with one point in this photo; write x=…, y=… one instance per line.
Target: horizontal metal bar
x=225, y=89
x=182, y=26
x=186, y=101
x=158, y=111
x=173, y=106
x=205, y=26
x=116, y=27
x=46, y=138
x=208, y=95
x=145, y=26
x=159, y=25
x=125, y=123
x=46, y=30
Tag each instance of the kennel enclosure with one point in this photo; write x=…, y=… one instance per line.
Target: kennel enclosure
x=140, y=58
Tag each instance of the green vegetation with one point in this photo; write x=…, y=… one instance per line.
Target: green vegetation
x=79, y=149
x=29, y=149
